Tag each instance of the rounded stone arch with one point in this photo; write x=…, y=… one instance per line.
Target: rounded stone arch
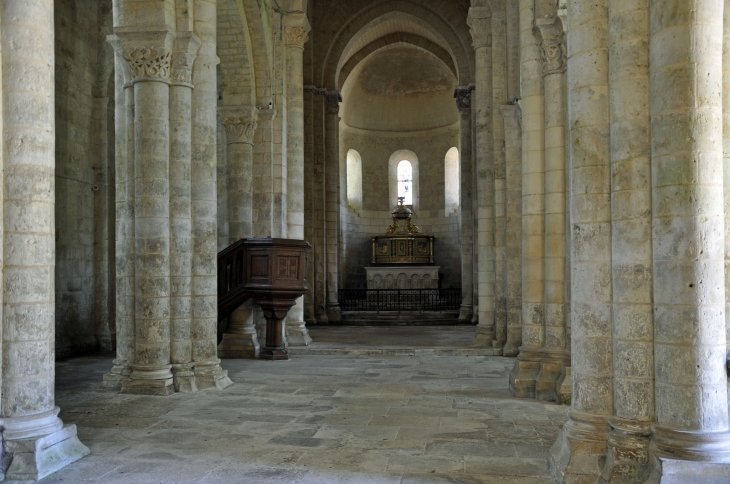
x=236, y=55
x=458, y=39
x=395, y=38
x=262, y=50
x=396, y=158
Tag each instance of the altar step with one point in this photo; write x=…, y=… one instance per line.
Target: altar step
x=398, y=318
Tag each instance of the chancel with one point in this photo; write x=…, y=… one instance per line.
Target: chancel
x=365, y=241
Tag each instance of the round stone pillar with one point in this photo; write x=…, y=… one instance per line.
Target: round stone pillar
x=35, y=441
x=553, y=71
x=240, y=339
x=295, y=36
x=633, y=328
x=523, y=376
x=511, y=117
x=685, y=72
x=150, y=66
x=480, y=25
x=204, y=326
x=463, y=103
x=580, y=450
x=332, y=201
x=181, y=252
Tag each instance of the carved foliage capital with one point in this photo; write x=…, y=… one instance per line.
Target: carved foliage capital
x=240, y=124
x=295, y=36
x=332, y=102
x=463, y=98
x=480, y=26
x=148, y=62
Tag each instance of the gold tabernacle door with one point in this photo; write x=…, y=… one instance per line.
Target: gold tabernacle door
x=404, y=249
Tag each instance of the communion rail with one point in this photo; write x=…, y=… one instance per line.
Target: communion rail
x=400, y=299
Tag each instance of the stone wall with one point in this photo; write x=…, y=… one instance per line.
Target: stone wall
x=84, y=177
x=358, y=226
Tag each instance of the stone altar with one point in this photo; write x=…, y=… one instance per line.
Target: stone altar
x=414, y=277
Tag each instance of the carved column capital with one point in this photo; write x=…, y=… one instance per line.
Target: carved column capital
x=296, y=30
x=479, y=21
x=183, y=57
x=240, y=123
x=462, y=94
x=148, y=52
x=332, y=102
x=552, y=47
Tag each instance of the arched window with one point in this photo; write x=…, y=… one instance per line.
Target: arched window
x=405, y=181
x=354, y=180
x=402, y=174
x=452, y=174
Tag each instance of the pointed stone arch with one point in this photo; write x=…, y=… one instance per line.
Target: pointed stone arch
x=257, y=15
x=238, y=83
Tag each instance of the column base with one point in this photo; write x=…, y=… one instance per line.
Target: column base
x=183, y=379
x=465, y=314
x=148, y=387
x=274, y=354
x=523, y=377
x=239, y=346
x=38, y=445
x=578, y=455
x=334, y=314
x=627, y=453
x=211, y=375
x=547, y=381
x=297, y=334
x=564, y=387
x=514, y=341
x=113, y=380
x=484, y=337
x=33, y=459
x=673, y=471
x=149, y=381
x=475, y=314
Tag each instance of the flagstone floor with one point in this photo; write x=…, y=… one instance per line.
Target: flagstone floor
x=316, y=419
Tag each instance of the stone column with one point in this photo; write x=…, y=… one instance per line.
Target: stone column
x=553, y=71
x=581, y=446
x=332, y=200
x=150, y=65
x=479, y=21
x=263, y=174
x=208, y=372
x=124, y=214
x=633, y=322
x=240, y=339
x=690, y=437
x=726, y=162
x=463, y=103
x=295, y=36
x=319, y=284
x=309, y=211
x=181, y=251
x=513, y=207
x=35, y=441
x=524, y=374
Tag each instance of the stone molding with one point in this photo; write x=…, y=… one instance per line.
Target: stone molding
x=240, y=123
x=332, y=101
x=148, y=63
x=295, y=37
x=479, y=21
x=552, y=47
x=462, y=94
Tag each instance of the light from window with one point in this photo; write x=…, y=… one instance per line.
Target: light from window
x=451, y=182
x=405, y=182
x=354, y=180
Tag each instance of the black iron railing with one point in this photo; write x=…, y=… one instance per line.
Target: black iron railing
x=400, y=299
